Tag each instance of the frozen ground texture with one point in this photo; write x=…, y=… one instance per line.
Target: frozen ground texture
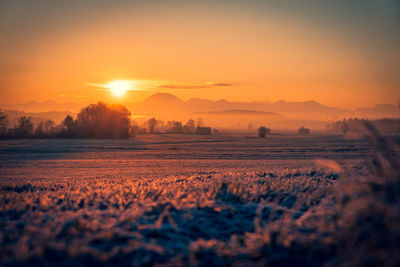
x=178, y=201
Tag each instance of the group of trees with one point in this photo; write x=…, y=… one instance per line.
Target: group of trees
x=262, y=132
x=356, y=125
x=23, y=127
x=100, y=121
x=158, y=126
x=340, y=126
x=94, y=121
x=353, y=125
x=113, y=121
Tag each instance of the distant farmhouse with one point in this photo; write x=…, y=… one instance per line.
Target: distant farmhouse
x=203, y=130
x=304, y=131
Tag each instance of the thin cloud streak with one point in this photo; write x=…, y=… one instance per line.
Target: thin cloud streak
x=194, y=86
x=154, y=85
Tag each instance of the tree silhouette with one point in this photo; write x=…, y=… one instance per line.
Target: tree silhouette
x=200, y=122
x=152, y=125
x=24, y=127
x=68, y=127
x=45, y=129
x=190, y=126
x=174, y=127
x=262, y=132
x=344, y=127
x=3, y=124
x=103, y=121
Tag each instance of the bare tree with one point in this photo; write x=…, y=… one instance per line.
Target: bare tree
x=152, y=125
x=3, y=124
x=68, y=126
x=134, y=127
x=45, y=129
x=200, y=122
x=190, y=126
x=174, y=127
x=344, y=127
x=24, y=127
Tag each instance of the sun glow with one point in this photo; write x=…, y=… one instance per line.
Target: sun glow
x=118, y=88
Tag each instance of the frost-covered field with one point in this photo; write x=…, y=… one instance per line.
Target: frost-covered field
x=192, y=200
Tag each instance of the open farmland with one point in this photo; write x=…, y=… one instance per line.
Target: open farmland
x=155, y=156
x=180, y=200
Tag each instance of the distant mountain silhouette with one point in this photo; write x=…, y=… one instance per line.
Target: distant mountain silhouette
x=163, y=99
x=241, y=112
x=159, y=103
x=378, y=111
x=46, y=106
x=305, y=108
x=57, y=116
x=166, y=103
x=205, y=105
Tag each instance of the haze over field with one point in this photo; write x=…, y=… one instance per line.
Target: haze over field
x=222, y=113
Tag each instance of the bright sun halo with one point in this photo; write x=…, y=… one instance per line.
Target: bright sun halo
x=118, y=88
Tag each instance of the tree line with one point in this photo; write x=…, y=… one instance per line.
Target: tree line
x=356, y=125
x=154, y=125
x=99, y=120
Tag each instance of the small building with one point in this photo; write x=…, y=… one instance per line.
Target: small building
x=304, y=131
x=203, y=130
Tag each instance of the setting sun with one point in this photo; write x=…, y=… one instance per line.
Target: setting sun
x=118, y=88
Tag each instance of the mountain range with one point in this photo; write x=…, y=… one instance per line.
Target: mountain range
x=166, y=103
x=46, y=106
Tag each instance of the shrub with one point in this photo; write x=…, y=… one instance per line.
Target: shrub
x=262, y=132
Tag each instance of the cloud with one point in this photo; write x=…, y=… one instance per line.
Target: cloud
x=220, y=84
x=157, y=85
x=193, y=86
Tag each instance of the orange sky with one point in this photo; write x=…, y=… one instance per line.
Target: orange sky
x=262, y=53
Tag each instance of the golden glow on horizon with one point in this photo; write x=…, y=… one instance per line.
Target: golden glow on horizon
x=265, y=56
x=118, y=88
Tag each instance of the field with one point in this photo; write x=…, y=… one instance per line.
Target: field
x=178, y=200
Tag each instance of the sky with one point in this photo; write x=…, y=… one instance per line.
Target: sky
x=343, y=53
